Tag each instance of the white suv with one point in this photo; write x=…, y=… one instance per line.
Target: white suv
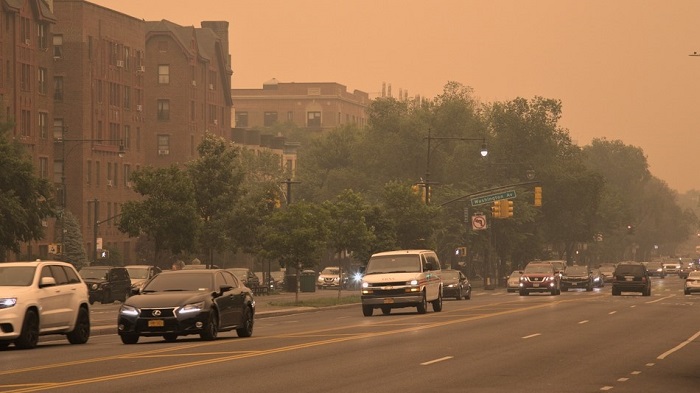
x=42, y=297
x=405, y=278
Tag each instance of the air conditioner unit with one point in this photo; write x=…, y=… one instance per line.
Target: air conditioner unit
x=109, y=183
x=139, y=108
x=163, y=152
x=142, y=69
x=27, y=41
x=211, y=86
x=216, y=122
x=194, y=83
x=120, y=63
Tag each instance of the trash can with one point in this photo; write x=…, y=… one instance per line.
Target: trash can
x=308, y=281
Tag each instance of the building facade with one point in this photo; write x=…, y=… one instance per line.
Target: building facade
x=314, y=106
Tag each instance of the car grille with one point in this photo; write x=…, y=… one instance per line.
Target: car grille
x=534, y=279
x=151, y=313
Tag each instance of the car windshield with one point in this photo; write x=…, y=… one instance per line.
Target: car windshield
x=180, y=281
x=694, y=275
x=94, y=274
x=138, y=272
x=393, y=264
x=16, y=276
x=515, y=274
x=628, y=270
x=449, y=275
x=331, y=272
x=538, y=269
x=654, y=265
x=576, y=270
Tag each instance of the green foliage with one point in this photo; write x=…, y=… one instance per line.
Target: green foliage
x=73, y=246
x=347, y=224
x=25, y=199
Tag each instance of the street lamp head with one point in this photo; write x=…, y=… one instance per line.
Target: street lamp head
x=530, y=173
x=484, y=150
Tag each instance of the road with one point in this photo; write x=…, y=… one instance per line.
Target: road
x=495, y=342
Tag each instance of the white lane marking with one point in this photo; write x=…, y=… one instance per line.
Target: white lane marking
x=612, y=312
x=622, y=379
x=436, y=360
x=606, y=388
x=636, y=372
x=633, y=306
x=582, y=322
x=650, y=364
x=679, y=346
x=533, y=335
x=658, y=300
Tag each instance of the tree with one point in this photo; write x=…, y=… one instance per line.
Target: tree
x=25, y=199
x=167, y=214
x=296, y=236
x=413, y=221
x=216, y=176
x=73, y=247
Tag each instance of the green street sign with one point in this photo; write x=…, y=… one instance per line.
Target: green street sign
x=482, y=200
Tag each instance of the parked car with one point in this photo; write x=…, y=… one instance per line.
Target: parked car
x=539, y=277
x=404, y=278
x=184, y=302
x=40, y=298
x=598, y=278
x=455, y=284
x=607, y=271
x=331, y=277
x=106, y=283
x=246, y=276
x=631, y=277
x=692, y=282
x=656, y=269
x=139, y=274
x=576, y=277
x=513, y=281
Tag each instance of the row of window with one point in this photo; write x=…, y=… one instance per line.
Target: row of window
x=313, y=119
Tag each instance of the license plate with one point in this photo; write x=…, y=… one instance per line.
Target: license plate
x=628, y=278
x=388, y=301
x=156, y=323
x=536, y=285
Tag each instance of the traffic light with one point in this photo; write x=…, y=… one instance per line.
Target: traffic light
x=507, y=208
x=496, y=209
x=538, y=196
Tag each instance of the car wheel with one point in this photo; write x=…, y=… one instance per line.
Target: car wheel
x=524, y=293
x=589, y=287
x=554, y=292
x=687, y=292
x=386, y=310
x=246, y=329
x=170, y=337
x=459, y=294
x=124, y=296
x=129, y=338
x=107, y=298
x=211, y=329
x=647, y=292
x=29, y=336
x=367, y=311
x=423, y=305
x=469, y=294
x=81, y=331
x=4, y=345
x=437, y=303
x=565, y=289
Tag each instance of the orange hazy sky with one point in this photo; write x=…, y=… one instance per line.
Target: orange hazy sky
x=620, y=67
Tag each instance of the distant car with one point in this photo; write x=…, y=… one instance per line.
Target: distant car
x=656, y=269
x=692, y=283
x=539, y=277
x=631, y=277
x=106, y=283
x=607, y=271
x=246, y=276
x=576, y=277
x=184, y=302
x=455, y=284
x=139, y=274
x=331, y=277
x=598, y=278
x=40, y=298
x=672, y=267
x=513, y=281
x=685, y=269
x=199, y=267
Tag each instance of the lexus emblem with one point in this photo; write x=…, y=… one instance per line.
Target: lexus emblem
x=156, y=313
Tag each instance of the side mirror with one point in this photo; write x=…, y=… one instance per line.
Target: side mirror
x=47, y=282
x=224, y=288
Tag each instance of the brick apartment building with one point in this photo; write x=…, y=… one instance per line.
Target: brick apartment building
x=314, y=106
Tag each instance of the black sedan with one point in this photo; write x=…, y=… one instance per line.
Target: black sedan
x=184, y=302
x=455, y=284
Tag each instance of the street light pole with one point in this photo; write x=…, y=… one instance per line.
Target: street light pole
x=426, y=182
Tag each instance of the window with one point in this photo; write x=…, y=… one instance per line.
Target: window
x=43, y=126
x=42, y=35
x=313, y=119
x=126, y=137
x=26, y=83
x=163, y=144
x=89, y=172
x=114, y=94
x=25, y=123
x=127, y=97
x=97, y=173
x=58, y=46
x=115, y=178
x=242, y=119
x=113, y=133
x=58, y=88
x=163, y=109
x=270, y=119
x=41, y=80
x=58, y=171
x=43, y=167
x=290, y=116
x=127, y=175
x=163, y=74
x=25, y=30
x=58, y=128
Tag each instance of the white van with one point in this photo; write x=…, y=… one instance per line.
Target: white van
x=404, y=278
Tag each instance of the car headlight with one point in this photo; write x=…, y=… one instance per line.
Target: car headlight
x=94, y=287
x=8, y=302
x=451, y=285
x=413, y=282
x=192, y=307
x=128, y=311
x=365, y=285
